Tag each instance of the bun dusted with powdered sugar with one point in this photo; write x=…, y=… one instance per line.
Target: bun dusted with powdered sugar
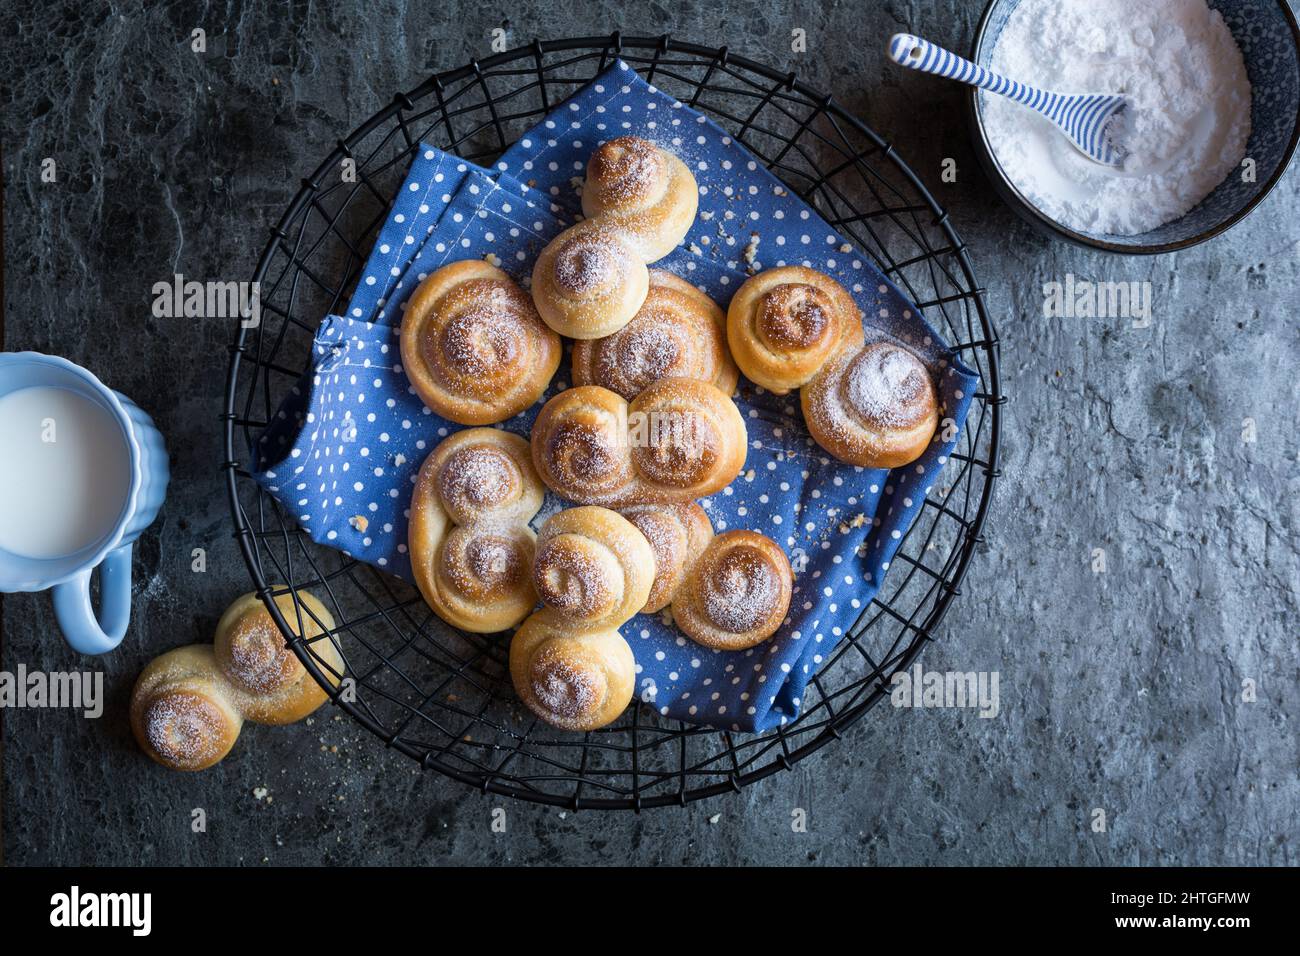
x=593, y=571
x=679, y=332
x=473, y=345
x=869, y=404
x=471, y=547
x=738, y=593
x=640, y=201
x=875, y=407
x=188, y=705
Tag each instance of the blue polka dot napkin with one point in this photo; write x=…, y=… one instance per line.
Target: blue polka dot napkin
x=344, y=451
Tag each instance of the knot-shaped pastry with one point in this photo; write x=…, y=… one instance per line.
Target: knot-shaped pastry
x=647, y=190
x=678, y=440
x=728, y=592
x=473, y=345
x=189, y=704
x=470, y=544
x=783, y=324
x=737, y=594
x=640, y=200
x=589, y=281
x=593, y=571
x=679, y=332
x=872, y=405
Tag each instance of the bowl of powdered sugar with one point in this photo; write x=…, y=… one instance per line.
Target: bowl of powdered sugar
x=1213, y=117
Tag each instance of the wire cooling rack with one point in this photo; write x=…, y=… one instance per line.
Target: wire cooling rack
x=444, y=697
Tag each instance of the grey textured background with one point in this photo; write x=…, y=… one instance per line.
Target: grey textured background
x=1120, y=690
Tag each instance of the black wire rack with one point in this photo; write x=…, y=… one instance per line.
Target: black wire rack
x=444, y=697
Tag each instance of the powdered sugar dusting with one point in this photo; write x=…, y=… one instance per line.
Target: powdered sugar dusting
x=478, y=477
x=256, y=656
x=586, y=458
x=492, y=558
x=571, y=579
x=185, y=727
x=481, y=334
x=675, y=444
x=649, y=348
x=567, y=692
x=794, y=315
x=661, y=528
x=881, y=387
x=883, y=383
x=624, y=169
x=588, y=262
x=741, y=590
x=480, y=563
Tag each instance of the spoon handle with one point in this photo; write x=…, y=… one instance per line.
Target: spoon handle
x=911, y=51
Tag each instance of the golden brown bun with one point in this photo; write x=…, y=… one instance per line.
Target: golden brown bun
x=679, y=332
x=589, y=281
x=470, y=544
x=569, y=664
x=181, y=711
x=875, y=407
x=678, y=535
x=272, y=684
x=677, y=441
x=784, y=324
x=473, y=345
x=593, y=567
x=739, y=593
x=688, y=440
x=647, y=190
x=579, y=446
x=872, y=405
x=574, y=680
x=189, y=704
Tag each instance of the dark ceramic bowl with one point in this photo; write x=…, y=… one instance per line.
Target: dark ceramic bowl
x=1269, y=39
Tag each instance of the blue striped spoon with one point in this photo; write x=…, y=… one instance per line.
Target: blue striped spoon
x=1085, y=119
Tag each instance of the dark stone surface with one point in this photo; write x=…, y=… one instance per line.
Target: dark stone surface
x=1120, y=691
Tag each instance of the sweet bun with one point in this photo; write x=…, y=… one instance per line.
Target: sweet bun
x=181, y=712
x=738, y=594
x=593, y=571
x=688, y=440
x=785, y=323
x=875, y=407
x=643, y=188
x=272, y=684
x=593, y=566
x=470, y=544
x=580, y=446
x=189, y=704
x=640, y=201
x=678, y=440
x=473, y=345
x=679, y=332
x=589, y=281
x=868, y=404
x=572, y=679
x=678, y=535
